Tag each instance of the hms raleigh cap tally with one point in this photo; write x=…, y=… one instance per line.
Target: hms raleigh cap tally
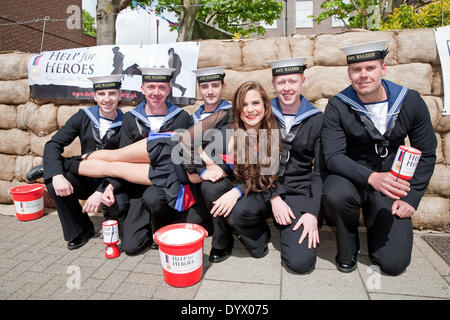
x=287, y=66
x=210, y=74
x=106, y=82
x=156, y=74
x=366, y=51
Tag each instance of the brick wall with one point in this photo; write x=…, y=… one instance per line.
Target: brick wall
x=26, y=37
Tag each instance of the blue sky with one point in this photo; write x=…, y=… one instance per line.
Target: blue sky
x=129, y=21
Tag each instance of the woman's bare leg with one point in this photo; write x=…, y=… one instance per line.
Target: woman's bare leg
x=132, y=172
x=135, y=152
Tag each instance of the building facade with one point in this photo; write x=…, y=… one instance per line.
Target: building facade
x=22, y=24
x=294, y=20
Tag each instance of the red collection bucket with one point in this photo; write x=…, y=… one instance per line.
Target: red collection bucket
x=181, y=253
x=29, y=201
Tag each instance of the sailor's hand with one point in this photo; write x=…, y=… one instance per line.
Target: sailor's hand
x=389, y=185
x=62, y=186
x=402, y=209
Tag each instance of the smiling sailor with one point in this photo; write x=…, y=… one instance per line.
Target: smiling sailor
x=363, y=127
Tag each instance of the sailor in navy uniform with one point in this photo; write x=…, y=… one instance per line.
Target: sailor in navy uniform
x=213, y=114
x=363, y=127
x=211, y=86
x=97, y=128
x=295, y=202
x=154, y=114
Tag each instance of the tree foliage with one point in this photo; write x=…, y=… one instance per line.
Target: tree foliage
x=408, y=17
x=372, y=14
x=88, y=24
x=234, y=16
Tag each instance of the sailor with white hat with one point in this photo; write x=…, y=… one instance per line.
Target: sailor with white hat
x=296, y=201
x=154, y=114
x=363, y=127
x=97, y=127
x=211, y=87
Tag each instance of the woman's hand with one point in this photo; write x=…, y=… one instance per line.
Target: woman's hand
x=281, y=211
x=213, y=173
x=226, y=203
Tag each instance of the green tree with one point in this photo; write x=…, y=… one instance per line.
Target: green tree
x=366, y=14
x=88, y=24
x=408, y=17
x=234, y=16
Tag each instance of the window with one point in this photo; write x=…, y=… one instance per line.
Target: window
x=303, y=9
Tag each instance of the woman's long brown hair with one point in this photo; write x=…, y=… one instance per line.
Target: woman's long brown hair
x=249, y=173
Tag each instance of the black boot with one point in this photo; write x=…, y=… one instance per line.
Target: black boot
x=35, y=173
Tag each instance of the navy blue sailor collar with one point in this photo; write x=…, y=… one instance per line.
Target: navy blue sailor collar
x=223, y=105
x=94, y=115
x=139, y=112
x=395, y=93
x=305, y=111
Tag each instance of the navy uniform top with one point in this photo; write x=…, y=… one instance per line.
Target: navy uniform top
x=354, y=148
x=199, y=114
x=136, y=124
x=84, y=124
x=301, y=141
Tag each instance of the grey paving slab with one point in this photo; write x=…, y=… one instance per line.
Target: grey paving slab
x=35, y=264
x=322, y=284
x=167, y=292
x=419, y=279
x=241, y=267
x=230, y=290
x=384, y=296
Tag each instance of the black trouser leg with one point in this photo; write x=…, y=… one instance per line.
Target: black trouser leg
x=223, y=233
x=297, y=257
x=137, y=229
x=248, y=218
x=342, y=201
x=389, y=237
x=73, y=220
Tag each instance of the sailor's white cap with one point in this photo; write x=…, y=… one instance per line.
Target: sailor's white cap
x=112, y=81
x=287, y=66
x=156, y=74
x=210, y=74
x=366, y=51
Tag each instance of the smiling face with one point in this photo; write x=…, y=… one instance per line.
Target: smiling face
x=156, y=93
x=253, y=111
x=211, y=93
x=288, y=89
x=366, y=79
x=107, y=100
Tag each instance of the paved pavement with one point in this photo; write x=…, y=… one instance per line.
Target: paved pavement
x=35, y=264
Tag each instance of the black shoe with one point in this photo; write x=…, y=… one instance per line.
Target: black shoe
x=219, y=255
x=153, y=246
x=343, y=267
x=80, y=240
x=35, y=173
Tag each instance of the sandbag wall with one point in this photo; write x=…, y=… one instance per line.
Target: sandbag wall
x=413, y=61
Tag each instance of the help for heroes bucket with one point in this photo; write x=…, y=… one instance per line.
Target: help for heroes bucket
x=29, y=201
x=181, y=253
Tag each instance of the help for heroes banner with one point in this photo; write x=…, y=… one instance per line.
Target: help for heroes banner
x=64, y=74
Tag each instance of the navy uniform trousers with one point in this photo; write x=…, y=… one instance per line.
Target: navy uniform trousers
x=389, y=238
x=161, y=214
x=248, y=219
